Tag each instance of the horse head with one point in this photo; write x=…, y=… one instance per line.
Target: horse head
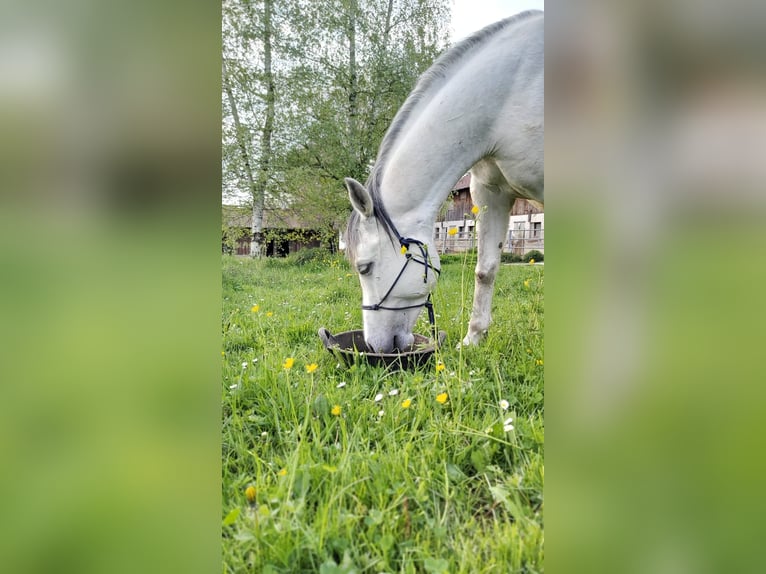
x=396, y=273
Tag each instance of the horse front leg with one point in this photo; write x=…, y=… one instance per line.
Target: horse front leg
x=491, y=228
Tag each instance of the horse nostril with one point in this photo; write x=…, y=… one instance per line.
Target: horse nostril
x=380, y=345
x=403, y=342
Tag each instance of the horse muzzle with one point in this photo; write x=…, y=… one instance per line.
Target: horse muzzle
x=385, y=343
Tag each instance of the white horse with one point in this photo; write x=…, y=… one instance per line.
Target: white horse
x=479, y=107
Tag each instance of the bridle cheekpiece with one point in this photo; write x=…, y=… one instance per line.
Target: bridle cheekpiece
x=425, y=261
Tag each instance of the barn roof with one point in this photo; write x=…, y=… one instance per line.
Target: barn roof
x=463, y=183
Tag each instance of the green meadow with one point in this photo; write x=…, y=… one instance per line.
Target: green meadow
x=334, y=469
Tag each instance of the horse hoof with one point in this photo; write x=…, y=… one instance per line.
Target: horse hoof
x=472, y=339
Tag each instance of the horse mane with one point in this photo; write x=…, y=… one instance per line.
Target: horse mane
x=431, y=77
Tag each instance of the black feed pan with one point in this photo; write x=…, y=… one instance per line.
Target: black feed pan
x=350, y=347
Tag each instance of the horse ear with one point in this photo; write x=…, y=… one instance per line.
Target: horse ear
x=359, y=196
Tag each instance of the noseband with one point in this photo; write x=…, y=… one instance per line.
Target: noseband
x=425, y=261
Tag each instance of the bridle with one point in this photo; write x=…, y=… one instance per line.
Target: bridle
x=425, y=261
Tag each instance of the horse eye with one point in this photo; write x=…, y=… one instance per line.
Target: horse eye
x=364, y=268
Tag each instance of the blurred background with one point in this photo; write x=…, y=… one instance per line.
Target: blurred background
x=655, y=143
x=110, y=293
x=110, y=290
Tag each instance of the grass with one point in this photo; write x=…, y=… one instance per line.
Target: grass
x=379, y=487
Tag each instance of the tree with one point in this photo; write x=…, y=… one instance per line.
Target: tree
x=242, y=141
x=247, y=46
x=315, y=84
x=266, y=132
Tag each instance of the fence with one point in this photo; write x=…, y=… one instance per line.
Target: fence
x=518, y=241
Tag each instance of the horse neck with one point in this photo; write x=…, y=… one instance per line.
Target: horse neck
x=423, y=167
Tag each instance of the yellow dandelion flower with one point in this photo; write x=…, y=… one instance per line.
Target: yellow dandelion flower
x=250, y=493
x=403, y=249
x=288, y=364
x=475, y=209
x=282, y=472
x=526, y=283
x=311, y=368
x=539, y=362
x=269, y=313
x=406, y=403
x=255, y=308
x=531, y=261
x=439, y=367
x=441, y=398
x=336, y=411
x=452, y=231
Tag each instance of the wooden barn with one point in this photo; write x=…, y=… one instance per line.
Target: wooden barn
x=283, y=232
x=526, y=224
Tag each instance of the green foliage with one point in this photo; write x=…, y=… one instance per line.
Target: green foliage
x=534, y=254
x=308, y=255
x=231, y=228
x=318, y=257
x=231, y=236
x=467, y=256
x=451, y=257
x=428, y=488
x=506, y=257
x=331, y=109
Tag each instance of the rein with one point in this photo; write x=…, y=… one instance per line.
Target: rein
x=425, y=261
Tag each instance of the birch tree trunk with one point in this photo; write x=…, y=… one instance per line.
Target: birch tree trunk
x=243, y=145
x=266, y=134
x=353, y=87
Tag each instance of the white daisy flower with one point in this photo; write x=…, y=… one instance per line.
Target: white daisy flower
x=381, y=412
x=508, y=421
x=508, y=428
x=378, y=397
x=393, y=392
x=504, y=405
x=244, y=365
x=341, y=384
